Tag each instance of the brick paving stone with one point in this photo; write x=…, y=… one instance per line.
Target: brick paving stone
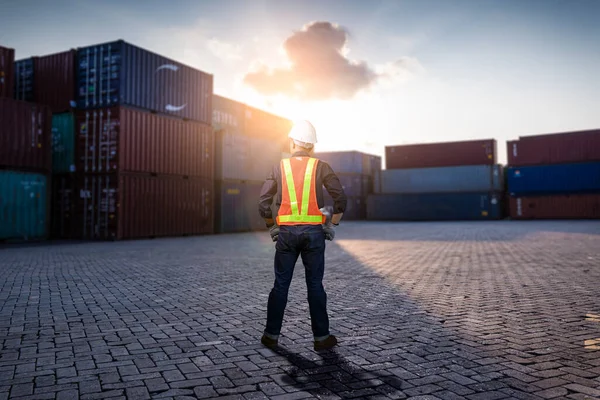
x=429, y=310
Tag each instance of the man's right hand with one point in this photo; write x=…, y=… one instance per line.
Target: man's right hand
x=329, y=230
x=274, y=231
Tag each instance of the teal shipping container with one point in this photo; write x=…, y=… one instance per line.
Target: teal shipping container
x=23, y=206
x=63, y=143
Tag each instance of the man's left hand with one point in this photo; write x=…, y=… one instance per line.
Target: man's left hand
x=274, y=231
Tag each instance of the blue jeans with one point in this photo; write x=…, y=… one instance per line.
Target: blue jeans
x=307, y=241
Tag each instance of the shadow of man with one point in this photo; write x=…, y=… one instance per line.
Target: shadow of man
x=331, y=373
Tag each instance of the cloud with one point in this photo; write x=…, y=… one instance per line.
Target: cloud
x=318, y=67
x=223, y=50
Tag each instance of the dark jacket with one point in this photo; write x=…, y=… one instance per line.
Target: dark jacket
x=271, y=189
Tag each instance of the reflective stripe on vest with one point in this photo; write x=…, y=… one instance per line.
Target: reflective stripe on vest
x=299, y=215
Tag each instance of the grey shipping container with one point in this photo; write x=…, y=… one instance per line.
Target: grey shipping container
x=351, y=162
x=237, y=207
x=119, y=73
x=356, y=207
x=240, y=157
x=469, y=178
x=434, y=206
x=228, y=115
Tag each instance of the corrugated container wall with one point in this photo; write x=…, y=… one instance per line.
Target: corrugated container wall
x=63, y=143
x=7, y=59
x=125, y=206
x=355, y=185
x=351, y=162
x=25, y=136
x=23, y=205
x=228, y=115
x=556, y=207
x=129, y=140
x=240, y=157
x=63, y=211
x=434, y=206
x=48, y=80
x=554, y=179
x=470, y=178
x=119, y=73
x=237, y=207
x=570, y=147
x=356, y=207
x=448, y=154
x=261, y=124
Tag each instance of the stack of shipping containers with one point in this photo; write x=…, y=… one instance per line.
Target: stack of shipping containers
x=50, y=80
x=555, y=176
x=439, y=181
x=358, y=173
x=25, y=160
x=248, y=142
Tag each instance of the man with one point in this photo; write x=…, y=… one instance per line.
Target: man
x=301, y=229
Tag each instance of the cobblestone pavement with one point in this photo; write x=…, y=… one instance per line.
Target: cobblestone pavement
x=490, y=310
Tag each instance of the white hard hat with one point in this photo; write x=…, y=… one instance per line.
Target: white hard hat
x=303, y=132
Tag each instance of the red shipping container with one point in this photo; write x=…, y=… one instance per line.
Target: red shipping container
x=575, y=206
x=127, y=206
x=54, y=80
x=130, y=140
x=25, y=136
x=558, y=148
x=448, y=154
x=7, y=72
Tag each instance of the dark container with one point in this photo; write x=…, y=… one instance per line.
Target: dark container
x=262, y=124
x=63, y=143
x=241, y=157
x=23, y=205
x=356, y=207
x=434, y=206
x=576, y=206
x=236, y=204
x=130, y=140
x=558, y=148
x=228, y=115
x=119, y=73
x=554, y=179
x=7, y=62
x=48, y=80
x=63, y=210
x=356, y=185
x=127, y=206
x=25, y=136
x=447, y=154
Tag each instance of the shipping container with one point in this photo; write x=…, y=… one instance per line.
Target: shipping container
x=23, y=205
x=447, y=154
x=127, y=206
x=351, y=162
x=63, y=143
x=119, y=73
x=48, y=80
x=434, y=206
x=559, y=148
x=356, y=185
x=228, y=115
x=264, y=125
x=25, y=136
x=63, y=210
x=130, y=140
x=554, y=179
x=239, y=157
x=356, y=207
x=236, y=205
x=574, y=206
x=7, y=59
x=469, y=178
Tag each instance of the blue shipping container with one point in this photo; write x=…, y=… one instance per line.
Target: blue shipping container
x=24, y=80
x=554, y=179
x=351, y=162
x=23, y=205
x=237, y=207
x=469, y=178
x=356, y=185
x=356, y=207
x=119, y=73
x=434, y=206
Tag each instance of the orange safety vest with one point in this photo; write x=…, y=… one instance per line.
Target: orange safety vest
x=298, y=176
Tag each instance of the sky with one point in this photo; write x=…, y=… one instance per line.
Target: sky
x=366, y=73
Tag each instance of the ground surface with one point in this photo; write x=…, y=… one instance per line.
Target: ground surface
x=488, y=310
